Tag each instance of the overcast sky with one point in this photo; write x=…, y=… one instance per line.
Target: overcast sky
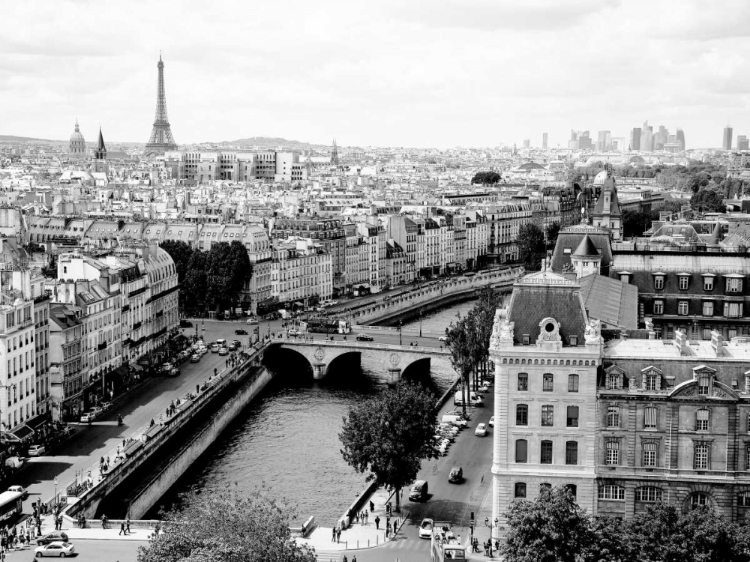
x=423, y=73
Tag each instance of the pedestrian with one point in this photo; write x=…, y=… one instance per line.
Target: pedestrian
x=388, y=520
x=356, y=517
x=338, y=534
x=395, y=528
x=344, y=558
x=104, y=521
x=387, y=532
x=122, y=528
x=333, y=535
x=354, y=558
x=372, y=506
x=127, y=525
x=377, y=522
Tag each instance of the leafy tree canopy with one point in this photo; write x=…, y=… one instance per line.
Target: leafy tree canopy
x=387, y=436
x=530, y=244
x=708, y=201
x=222, y=526
x=486, y=178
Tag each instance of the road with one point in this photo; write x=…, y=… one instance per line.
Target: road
x=447, y=502
x=92, y=551
x=84, y=449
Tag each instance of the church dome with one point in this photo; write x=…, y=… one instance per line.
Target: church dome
x=77, y=142
x=77, y=135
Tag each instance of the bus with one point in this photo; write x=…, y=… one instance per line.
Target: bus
x=10, y=506
x=444, y=545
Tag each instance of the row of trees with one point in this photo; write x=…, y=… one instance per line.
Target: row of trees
x=554, y=528
x=486, y=178
x=532, y=247
x=211, y=279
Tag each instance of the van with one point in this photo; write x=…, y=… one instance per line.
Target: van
x=418, y=491
x=454, y=419
x=221, y=342
x=474, y=399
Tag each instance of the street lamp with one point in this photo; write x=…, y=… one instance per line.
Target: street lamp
x=490, y=524
x=400, y=324
x=420, y=322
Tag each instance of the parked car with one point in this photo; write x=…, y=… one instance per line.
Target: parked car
x=57, y=548
x=19, y=490
x=364, y=337
x=456, y=475
x=425, y=528
x=56, y=536
x=481, y=430
x=234, y=346
x=87, y=417
x=167, y=366
x=240, y=332
x=195, y=358
x=106, y=406
x=223, y=351
x=492, y=421
x=36, y=450
x=215, y=348
x=97, y=411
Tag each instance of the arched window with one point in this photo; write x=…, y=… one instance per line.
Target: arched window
x=612, y=492
x=648, y=494
x=572, y=383
x=699, y=499
x=522, y=450
x=522, y=414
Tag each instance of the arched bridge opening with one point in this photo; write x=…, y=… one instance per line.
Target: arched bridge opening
x=344, y=364
x=289, y=362
x=417, y=371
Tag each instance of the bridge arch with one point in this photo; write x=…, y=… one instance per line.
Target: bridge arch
x=417, y=369
x=342, y=360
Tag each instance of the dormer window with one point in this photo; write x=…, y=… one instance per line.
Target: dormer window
x=684, y=282
x=658, y=282
x=708, y=283
x=734, y=284
x=704, y=385
x=625, y=277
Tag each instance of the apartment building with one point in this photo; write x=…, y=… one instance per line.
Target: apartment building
x=302, y=272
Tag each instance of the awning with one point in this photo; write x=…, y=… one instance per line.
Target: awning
x=121, y=371
x=22, y=432
x=37, y=421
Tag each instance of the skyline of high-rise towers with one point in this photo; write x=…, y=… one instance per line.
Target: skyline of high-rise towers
x=726, y=143
x=161, y=138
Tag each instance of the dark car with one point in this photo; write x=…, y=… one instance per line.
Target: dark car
x=364, y=337
x=186, y=324
x=456, y=475
x=57, y=536
x=240, y=332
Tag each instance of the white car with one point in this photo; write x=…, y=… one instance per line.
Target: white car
x=481, y=430
x=252, y=321
x=59, y=549
x=443, y=338
x=87, y=417
x=223, y=351
x=492, y=421
x=425, y=528
x=36, y=450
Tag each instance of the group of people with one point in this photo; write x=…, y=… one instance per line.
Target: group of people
x=17, y=539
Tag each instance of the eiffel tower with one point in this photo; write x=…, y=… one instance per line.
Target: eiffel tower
x=161, y=138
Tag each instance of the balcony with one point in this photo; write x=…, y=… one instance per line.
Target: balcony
x=102, y=345
x=137, y=325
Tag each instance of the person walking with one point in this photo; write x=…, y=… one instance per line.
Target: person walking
x=333, y=533
x=387, y=532
x=372, y=506
x=377, y=522
x=395, y=528
x=122, y=529
x=127, y=525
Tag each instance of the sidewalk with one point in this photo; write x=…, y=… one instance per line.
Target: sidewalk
x=94, y=531
x=359, y=535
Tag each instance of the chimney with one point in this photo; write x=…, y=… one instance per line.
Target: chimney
x=681, y=342
x=717, y=342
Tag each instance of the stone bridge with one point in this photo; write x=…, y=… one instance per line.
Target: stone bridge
x=395, y=359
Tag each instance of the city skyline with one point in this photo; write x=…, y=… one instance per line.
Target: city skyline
x=379, y=75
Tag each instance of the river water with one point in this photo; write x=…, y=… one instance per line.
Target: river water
x=287, y=438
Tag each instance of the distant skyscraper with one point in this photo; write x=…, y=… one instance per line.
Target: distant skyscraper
x=647, y=138
x=662, y=136
x=635, y=139
x=161, y=138
x=681, y=139
x=77, y=147
x=527, y=143
x=544, y=141
x=604, y=140
x=742, y=142
x=727, y=141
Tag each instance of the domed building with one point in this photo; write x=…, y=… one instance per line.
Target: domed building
x=77, y=144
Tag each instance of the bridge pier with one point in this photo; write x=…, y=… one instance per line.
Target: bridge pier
x=319, y=370
x=394, y=376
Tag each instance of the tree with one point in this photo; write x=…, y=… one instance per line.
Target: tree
x=388, y=435
x=708, y=201
x=608, y=544
x=242, y=269
x=635, y=223
x=462, y=345
x=486, y=178
x=181, y=253
x=530, y=244
x=227, y=270
x=553, y=231
x=225, y=526
x=196, y=284
x=552, y=528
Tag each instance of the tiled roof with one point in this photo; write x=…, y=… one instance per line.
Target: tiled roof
x=586, y=247
x=613, y=302
x=530, y=304
x=570, y=238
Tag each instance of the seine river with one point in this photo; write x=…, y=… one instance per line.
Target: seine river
x=287, y=439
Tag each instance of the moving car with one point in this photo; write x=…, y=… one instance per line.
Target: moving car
x=481, y=430
x=36, y=450
x=456, y=475
x=425, y=528
x=418, y=491
x=215, y=348
x=364, y=337
x=252, y=321
x=195, y=358
x=56, y=536
x=19, y=490
x=233, y=346
x=223, y=351
x=57, y=548
x=240, y=332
